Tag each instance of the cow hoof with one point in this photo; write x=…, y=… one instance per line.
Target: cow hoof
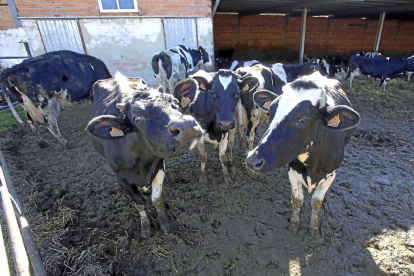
x=294, y=227
x=42, y=144
x=314, y=232
x=145, y=230
x=203, y=178
x=228, y=180
x=164, y=224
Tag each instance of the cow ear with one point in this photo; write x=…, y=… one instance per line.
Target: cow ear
x=264, y=98
x=186, y=91
x=202, y=82
x=248, y=84
x=108, y=127
x=341, y=117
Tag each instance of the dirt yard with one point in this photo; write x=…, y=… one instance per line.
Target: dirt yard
x=85, y=225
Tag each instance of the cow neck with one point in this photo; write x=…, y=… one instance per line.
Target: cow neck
x=292, y=71
x=324, y=154
x=195, y=55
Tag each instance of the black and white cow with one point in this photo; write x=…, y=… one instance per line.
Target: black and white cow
x=370, y=54
x=380, y=67
x=272, y=78
x=233, y=64
x=214, y=108
x=310, y=124
x=331, y=70
x=409, y=73
x=289, y=73
x=172, y=65
x=249, y=114
x=46, y=84
x=135, y=128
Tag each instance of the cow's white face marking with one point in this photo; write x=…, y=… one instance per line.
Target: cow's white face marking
x=277, y=68
x=225, y=81
x=326, y=64
x=387, y=58
x=291, y=98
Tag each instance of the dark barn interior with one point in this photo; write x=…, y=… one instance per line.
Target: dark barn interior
x=271, y=30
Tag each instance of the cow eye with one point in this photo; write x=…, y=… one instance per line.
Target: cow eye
x=137, y=119
x=302, y=121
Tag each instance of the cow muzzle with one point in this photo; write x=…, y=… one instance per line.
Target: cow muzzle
x=227, y=124
x=185, y=130
x=255, y=163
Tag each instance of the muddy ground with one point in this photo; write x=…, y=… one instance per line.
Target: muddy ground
x=85, y=225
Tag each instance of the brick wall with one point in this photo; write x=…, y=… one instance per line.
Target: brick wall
x=322, y=34
x=41, y=8
x=6, y=19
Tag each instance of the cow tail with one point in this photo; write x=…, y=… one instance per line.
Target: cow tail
x=6, y=96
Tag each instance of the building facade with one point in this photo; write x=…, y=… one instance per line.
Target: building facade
x=125, y=34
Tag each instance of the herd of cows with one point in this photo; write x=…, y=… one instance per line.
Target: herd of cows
x=135, y=126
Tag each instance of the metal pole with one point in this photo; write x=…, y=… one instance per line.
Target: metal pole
x=215, y=8
x=13, y=12
x=379, y=32
x=302, y=35
x=24, y=225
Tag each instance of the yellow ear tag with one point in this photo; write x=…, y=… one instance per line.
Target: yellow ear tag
x=246, y=87
x=202, y=86
x=116, y=132
x=185, y=101
x=334, y=122
x=267, y=104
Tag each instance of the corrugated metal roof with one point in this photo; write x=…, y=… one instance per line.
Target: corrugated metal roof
x=403, y=9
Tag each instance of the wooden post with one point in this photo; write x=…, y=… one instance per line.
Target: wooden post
x=379, y=32
x=302, y=35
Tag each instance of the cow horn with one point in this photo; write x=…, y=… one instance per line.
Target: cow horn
x=322, y=100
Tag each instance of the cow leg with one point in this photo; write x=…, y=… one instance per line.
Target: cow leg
x=51, y=112
x=297, y=200
x=156, y=197
x=203, y=159
x=223, y=158
x=240, y=125
x=232, y=136
x=40, y=140
x=351, y=78
x=409, y=75
x=13, y=111
x=139, y=200
x=383, y=83
x=316, y=202
x=251, y=131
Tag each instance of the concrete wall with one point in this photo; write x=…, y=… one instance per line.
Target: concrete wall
x=10, y=46
x=125, y=45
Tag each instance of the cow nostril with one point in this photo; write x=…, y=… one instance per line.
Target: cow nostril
x=259, y=164
x=174, y=131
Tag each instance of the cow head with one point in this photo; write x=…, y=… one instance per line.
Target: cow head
x=224, y=89
x=410, y=64
x=205, y=57
x=310, y=67
x=154, y=117
x=298, y=118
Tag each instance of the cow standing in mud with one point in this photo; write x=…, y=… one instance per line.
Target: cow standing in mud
x=271, y=78
x=48, y=83
x=214, y=108
x=135, y=128
x=172, y=65
x=310, y=124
